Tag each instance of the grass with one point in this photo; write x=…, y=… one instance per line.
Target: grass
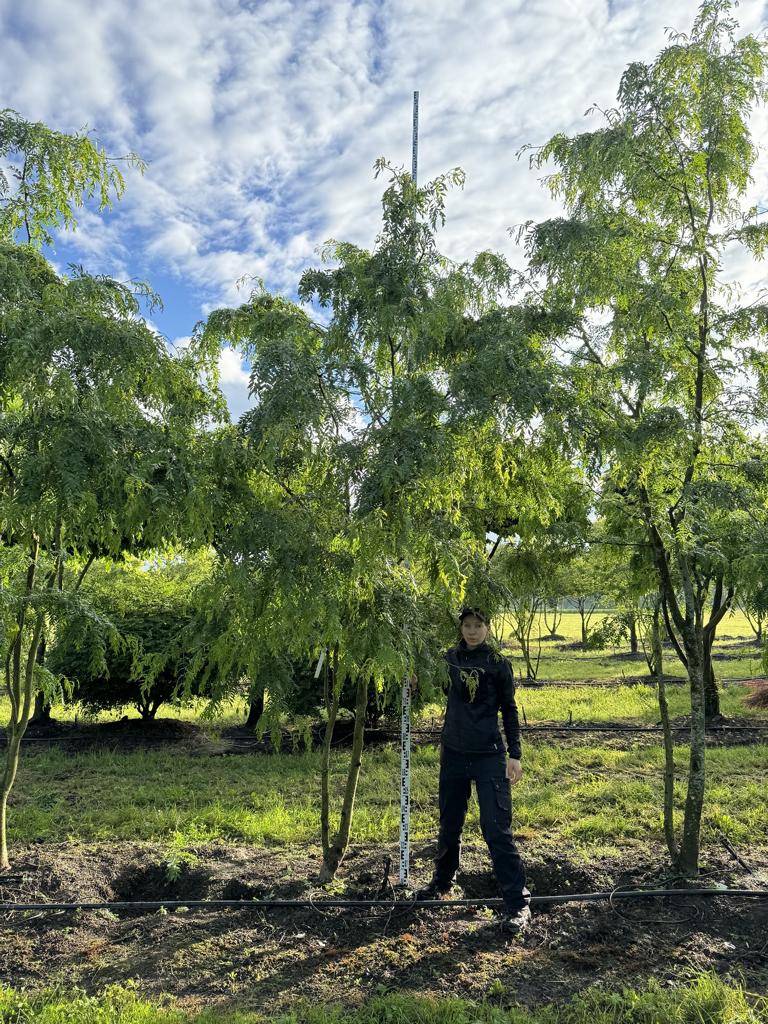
x=704, y=1000
x=636, y=705
x=588, y=796
x=732, y=659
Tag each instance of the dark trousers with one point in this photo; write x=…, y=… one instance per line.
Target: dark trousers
x=488, y=772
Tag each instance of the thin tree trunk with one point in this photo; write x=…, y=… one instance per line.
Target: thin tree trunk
x=331, y=700
x=711, y=691
x=9, y=777
x=583, y=617
x=255, y=711
x=633, y=644
x=557, y=616
x=694, y=800
x=20, y=684
x=335, y=854
x=42, y=711
x=669, y=754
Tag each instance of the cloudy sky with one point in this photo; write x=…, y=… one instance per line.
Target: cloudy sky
x=260, y=121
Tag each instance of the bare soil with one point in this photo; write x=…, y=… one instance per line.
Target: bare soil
x=266, y=960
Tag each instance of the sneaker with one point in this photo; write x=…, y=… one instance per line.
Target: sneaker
x=514, y=922
x=433, y=890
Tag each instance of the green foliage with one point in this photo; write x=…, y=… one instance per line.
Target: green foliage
x=50, y=175
x=98, y=421
x=610, y=632
x=151, y=606
x=384, y=444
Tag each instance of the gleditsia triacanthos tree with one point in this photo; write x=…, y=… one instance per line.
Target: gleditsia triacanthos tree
x=667, y=368
x=386, y=441
x=98, y=424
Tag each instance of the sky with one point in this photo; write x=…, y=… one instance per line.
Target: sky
x=260, y=121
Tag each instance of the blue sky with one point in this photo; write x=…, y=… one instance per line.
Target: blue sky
x=260, y=121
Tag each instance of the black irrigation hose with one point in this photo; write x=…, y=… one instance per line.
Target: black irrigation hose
x=139, y=741
x=584, y=897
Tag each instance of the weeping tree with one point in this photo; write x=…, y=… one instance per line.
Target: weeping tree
x=389, y=435
x=667, y=363
x=98, y=424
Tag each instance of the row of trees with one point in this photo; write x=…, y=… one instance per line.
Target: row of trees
x=615, y=392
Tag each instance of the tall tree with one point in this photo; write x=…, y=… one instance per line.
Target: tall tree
x=667, y=370
x=389, y=436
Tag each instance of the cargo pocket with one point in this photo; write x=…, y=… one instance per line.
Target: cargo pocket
x=503, y=794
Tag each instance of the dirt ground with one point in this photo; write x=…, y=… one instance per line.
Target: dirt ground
x=252, y=959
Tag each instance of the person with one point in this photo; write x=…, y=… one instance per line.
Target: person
x=472, y=750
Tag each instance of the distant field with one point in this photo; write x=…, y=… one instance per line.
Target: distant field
x=736, y=656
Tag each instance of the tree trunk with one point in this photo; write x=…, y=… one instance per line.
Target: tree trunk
x=557, y=616
x=694, y=800
x=9, y=777
x=19, y=680
x=333, y=856
x=255, y=711
x=669, y=753
x=711, y=691
x=42, y=712
x=633, y=645
x=331, y=701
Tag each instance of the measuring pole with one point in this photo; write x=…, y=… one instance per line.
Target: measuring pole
x=405, y=721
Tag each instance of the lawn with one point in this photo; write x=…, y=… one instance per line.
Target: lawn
x=590, y=796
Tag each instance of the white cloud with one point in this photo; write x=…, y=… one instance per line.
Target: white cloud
x=261, y=121
x=234, y=382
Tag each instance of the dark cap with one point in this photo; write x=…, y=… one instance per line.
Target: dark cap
x=477, y=612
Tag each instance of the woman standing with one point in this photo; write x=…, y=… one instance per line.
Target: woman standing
x=472, y=750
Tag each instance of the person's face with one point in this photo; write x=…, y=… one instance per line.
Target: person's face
x=474, y=631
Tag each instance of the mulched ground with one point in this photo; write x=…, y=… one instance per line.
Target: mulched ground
x=252, y=959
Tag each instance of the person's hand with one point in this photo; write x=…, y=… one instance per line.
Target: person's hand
x=514, y=770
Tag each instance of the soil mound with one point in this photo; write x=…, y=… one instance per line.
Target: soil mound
x=163, y=881
x=758, y=697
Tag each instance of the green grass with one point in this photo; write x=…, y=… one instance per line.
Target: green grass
x=556, y=665
x=586, y=795
x=628, y=704
x=704, y=1000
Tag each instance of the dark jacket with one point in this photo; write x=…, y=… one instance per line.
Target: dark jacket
x=472, y=720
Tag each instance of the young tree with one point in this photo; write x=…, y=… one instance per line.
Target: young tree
x=384, y=445
x=98, y=426
x=667, y=371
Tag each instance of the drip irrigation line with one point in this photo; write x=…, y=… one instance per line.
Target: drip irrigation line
x=391, y=734
x=314, y=904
